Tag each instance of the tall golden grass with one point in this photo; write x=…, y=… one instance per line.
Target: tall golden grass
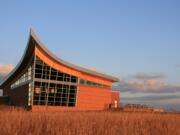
x=21, y=122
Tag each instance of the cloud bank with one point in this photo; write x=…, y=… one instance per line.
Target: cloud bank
x=149, y=89
x=145, y=83
x=152, y=98
x=144, y=76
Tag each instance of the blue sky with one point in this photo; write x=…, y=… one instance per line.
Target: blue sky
x=125, y=38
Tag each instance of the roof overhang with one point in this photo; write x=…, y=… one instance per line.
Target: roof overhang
x=30, y=50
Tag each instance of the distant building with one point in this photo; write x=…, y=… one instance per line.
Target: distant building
x=140, y=108
x=41, y=81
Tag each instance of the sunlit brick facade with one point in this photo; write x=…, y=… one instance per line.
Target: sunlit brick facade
x=41, y=81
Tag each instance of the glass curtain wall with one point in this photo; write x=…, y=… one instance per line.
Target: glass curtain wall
x=52, y=87
x=27, y=76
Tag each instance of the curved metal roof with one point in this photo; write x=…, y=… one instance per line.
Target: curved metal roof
x=30, y=48
x=26, y=55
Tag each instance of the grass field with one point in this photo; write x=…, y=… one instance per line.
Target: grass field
x=20, y=122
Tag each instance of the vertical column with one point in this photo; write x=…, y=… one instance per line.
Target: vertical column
x=48, y=90
x=33, y=83
x=77, y=91
x=30, y=93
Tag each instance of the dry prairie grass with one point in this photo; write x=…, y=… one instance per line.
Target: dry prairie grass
x=20, y=122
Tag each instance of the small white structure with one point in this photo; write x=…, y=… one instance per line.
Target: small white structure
x=115, y=104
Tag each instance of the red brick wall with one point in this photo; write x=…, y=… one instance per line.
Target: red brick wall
x=88, y=98
x=93, y=98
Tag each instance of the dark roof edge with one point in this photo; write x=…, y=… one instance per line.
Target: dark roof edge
x=68, y=64
x=18, y=65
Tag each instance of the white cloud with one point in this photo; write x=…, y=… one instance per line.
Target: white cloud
x=5, y=69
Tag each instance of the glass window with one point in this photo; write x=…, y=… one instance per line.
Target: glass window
x=43, y=71
x=51, y=93
x=54, y=94
x=90, y=83
x=25, y=77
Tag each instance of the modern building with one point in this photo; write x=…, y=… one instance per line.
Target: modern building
x=41, y=81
